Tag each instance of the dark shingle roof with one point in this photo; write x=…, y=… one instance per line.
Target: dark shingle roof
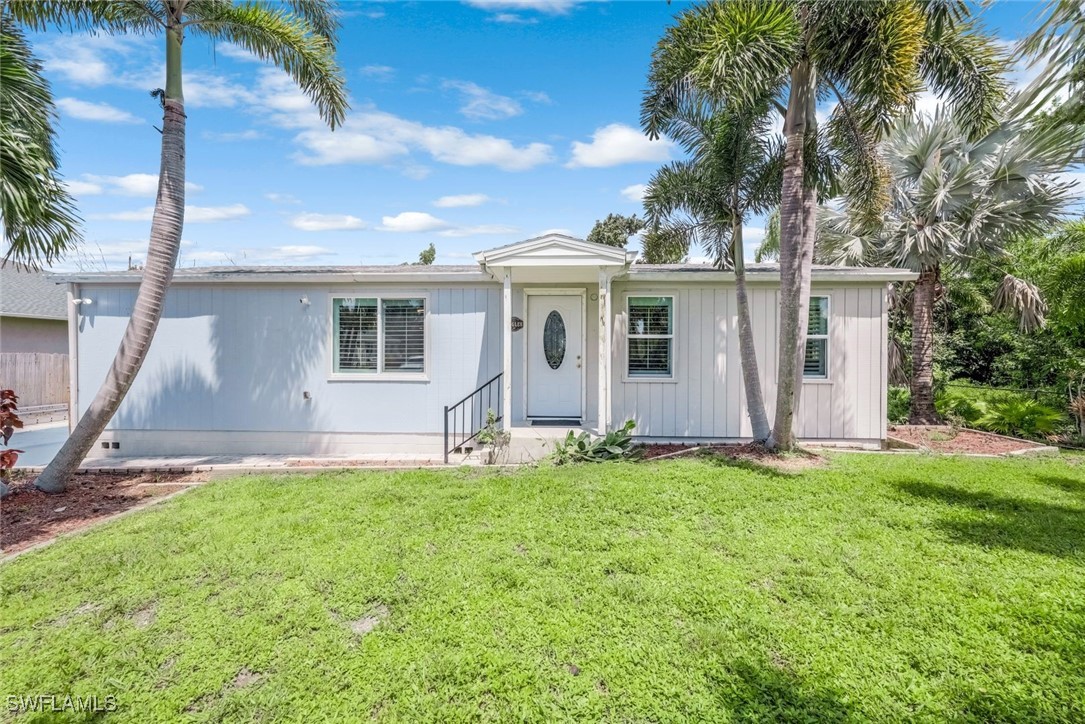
x=32, y=294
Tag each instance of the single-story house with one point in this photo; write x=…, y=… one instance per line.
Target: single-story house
x=553, y=331
x=33, y=312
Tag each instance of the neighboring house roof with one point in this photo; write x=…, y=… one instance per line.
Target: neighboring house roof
x=31, y=294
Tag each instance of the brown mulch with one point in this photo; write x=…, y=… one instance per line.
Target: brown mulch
x=747, y=452
x=29, y=516
x=947, y=439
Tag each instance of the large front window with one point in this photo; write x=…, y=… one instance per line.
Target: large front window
x=374, y=335
x=651, y=336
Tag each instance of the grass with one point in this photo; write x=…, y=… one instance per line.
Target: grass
x=918, y=588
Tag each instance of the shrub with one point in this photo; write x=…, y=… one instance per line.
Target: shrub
x=961, y=406
x=1022, y=417
x=582, y=448
x=900, y=399
x=493, y=438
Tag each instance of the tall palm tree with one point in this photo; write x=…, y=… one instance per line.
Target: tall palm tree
x=872, y=57
x=958, y=203
x=733, y=171
x=38, y=213
x=298, y=36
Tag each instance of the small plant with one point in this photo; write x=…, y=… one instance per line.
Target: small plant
x=961, y=408
x=1077, y=404
x=1021, y=417
x=899, y=401
x=9, y=421
x=493, y=438
x=582, y=448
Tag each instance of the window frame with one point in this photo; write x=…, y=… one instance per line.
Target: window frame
x=827, y=377
x=379, y=375
x=649, y=378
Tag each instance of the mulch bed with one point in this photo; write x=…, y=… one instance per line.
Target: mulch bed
x=747, y=452
x=946, y=439
x=29, y=516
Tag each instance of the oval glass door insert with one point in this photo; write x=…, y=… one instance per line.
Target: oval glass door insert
x=554, y=339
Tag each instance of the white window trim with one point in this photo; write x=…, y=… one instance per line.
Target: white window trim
x=379, y=375
x=827, y=377
x=638, y=379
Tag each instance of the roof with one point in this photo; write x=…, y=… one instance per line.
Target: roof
x=556, y=250
x=465, y=273
x=31, y=294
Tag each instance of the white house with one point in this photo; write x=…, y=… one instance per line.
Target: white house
x=553, y=331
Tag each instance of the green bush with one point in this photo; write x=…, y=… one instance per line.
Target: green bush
x=900, y=398
x=961, y=406
x=582, y=448
x=1022, y=417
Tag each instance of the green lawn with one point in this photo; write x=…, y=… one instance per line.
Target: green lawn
x=874, y=588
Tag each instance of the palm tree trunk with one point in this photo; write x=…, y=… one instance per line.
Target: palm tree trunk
x=792, y=337
x=751, y=376
x=165, y=242
x=922, y=410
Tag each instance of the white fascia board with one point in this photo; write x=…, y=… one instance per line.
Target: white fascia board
x=867, y=276
x=298, y=278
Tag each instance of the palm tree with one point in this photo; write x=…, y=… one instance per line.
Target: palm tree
x=957, y=204
x=299, y=37
x=872, y=57
x=38, y=213
x=1060, y=38
x=733, y=171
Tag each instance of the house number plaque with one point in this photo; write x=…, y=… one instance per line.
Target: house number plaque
x=517, y=324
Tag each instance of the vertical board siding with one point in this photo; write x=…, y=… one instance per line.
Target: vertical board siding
x=241, y=357
x=707, y=398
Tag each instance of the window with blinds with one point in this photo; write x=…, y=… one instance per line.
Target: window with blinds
x=374, y=335
x=650, y=336
x=816, y=364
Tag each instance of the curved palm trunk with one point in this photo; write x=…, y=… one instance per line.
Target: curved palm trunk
x=793, y=298
x=922, y=410
x=751, y=376
x=165, y=242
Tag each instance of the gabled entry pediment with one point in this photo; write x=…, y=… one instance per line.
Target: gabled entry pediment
x=555, y=250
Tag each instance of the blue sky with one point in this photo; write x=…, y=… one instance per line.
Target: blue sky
x=472, y=125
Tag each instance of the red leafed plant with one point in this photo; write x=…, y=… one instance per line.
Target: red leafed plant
x=9, y=421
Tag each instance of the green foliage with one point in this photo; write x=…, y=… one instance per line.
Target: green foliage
x=427, y=255
x=583, y=448
x=494, y=438
x=1020, y=417
x=873, y=588
x=663, y=245
x=960, y=407
x=615, y=230
x=899, y=400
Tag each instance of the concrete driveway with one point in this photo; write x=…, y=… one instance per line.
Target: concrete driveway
x=39, y=443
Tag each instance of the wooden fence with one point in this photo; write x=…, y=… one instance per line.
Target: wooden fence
x=37, y=378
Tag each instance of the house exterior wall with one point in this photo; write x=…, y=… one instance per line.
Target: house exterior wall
x=230, y=364
x=706, y=398
x=22, y=334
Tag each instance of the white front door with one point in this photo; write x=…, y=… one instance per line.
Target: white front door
x=555, y=355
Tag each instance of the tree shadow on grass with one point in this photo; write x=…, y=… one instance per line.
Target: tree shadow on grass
x=726, y=461
x=1069, y=485
x=767, y=692
x=994, y=521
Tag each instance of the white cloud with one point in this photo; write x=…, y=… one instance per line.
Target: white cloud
x=88, y=60
x=294, y=252
x=635, y=192
x=512, y=19
x=616, y=144
x=451, y=202
x=482, y=104
x=88, y=111
x=326, y=222
x=193, y=214
x=282, y=198
x=133, y=184
x=537, y=97
x=231, y=50
x=416, y=221
x=83, y=188
x=382, y=73
x=377, y=137
x=549, y=7
x=461, y=231
x=231, y=136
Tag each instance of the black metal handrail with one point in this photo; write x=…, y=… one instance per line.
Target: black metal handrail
x=468, y=420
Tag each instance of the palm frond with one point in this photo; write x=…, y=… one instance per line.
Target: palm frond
x=1022, y=299
x=271, y=32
